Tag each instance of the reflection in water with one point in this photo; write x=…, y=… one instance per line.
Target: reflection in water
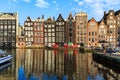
x=39, y=61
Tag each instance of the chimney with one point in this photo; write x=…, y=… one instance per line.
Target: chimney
x=42, y=18
x=53, y=18
x=104, y=13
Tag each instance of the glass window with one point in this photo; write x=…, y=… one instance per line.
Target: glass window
x=1, y=22
x=9, y=22
x=49, y=26
x=25, y=23
x=5, y=22
x=45, y=25
x=52, y=25
x=13, y=22
x=28, y=23
x=13, y=26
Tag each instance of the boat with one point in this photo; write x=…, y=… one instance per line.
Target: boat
x=116, y=53
x=5, y=65
x=4, y=57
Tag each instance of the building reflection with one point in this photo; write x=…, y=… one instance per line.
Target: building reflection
x=37, y=61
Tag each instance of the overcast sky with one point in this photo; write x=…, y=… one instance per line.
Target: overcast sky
x=50, y=8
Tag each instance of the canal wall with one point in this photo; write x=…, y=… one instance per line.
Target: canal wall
x=108, y=64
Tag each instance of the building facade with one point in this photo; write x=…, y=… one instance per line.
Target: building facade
x=60, y=29
x=28, y=29
x=117, y=14
x=8, y=29
x=70, y=29
x=102, y=31
x=49, y=32
x=20, y=38
x=92, y=31
x=81, y=29
x=38, y=27
x=112, y=32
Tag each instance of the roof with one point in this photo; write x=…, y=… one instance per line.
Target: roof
x=117, y=12
x=70, y=17
x=49, y=20
x=60, y=18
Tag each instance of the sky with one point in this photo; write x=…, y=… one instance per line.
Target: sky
x=52, y=8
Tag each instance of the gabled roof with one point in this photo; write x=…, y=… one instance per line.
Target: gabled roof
x=92, y=19
x=49, y=20
x=60, y=18
x=28, y=18
x=117, y=12
x=70, y=17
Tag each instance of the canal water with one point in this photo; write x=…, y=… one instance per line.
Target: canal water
x=70, y=64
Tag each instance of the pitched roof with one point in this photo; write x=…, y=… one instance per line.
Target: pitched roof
x=49, y=20
x=70, y=17
x=60, y=18
x=117, y=12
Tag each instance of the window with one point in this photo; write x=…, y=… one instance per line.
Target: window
x=111, y=13
x=25, y=23
x=63, y=23
x=13, y=22
x=89, y=39
x=111, y=17
x=118, y=18
x=45, y=25
x=52, y=25
x=70, y=34
x=60, y=23
x=92, y=33
x=1, y=22
x=89, y=33
x=28, y=23
x=9, y=22
x=77, y=32
x=1, y=27
x=70, y=29
x=92, y=39
x=5, y=22
x=5, y=27
x=9, y=26
x=49, y=26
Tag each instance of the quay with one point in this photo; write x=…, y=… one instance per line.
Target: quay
x=109, y=63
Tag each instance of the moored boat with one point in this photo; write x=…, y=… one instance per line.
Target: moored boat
x=4, y=57
x=2, y=66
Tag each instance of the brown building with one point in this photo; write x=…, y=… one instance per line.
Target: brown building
x=49, y=31
x=92, y=35
x=28, y=26
x=8, y=29
x=38, y=40
x=117, y=14
x=81, y=29
x=112, y=32
x=102, y=31
x=70, y=29
x=60, y=30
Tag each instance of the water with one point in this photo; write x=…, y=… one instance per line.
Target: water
x=40, y=64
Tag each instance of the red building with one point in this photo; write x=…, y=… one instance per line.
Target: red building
x=38, y=40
